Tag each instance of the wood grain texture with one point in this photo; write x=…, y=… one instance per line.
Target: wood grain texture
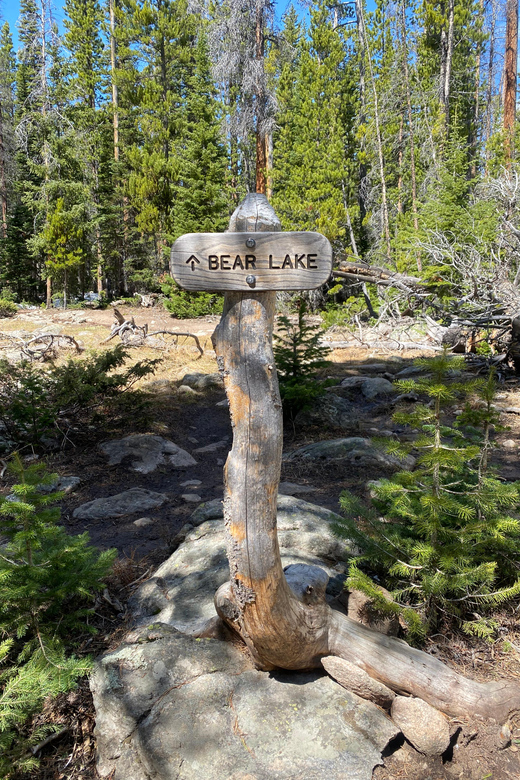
x=271, y=261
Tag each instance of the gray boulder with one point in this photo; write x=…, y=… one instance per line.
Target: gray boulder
x=202, y=382
x=127, y=503
x=146, y=452
x=181, y=591
x=330, y=411
x=169, y=707
x=353, y=450
x=369, y=387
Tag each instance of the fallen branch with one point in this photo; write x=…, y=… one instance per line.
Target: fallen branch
x=127, y=329
x=47, y=340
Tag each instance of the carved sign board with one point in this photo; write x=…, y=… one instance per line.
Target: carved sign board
x=251, y=261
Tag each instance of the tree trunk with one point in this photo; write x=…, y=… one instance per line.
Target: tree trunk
x=411, y=131
x=510, y=74
x=261, y=140
x=282, y=615
x=490, y=77
x=115, y=97
x=3, y=185
x=384, y=199
x=447, y=36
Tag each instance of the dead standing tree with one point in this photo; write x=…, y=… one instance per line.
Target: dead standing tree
x=282, y=616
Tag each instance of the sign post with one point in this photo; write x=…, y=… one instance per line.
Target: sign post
x=250, y=263
x=281, y=614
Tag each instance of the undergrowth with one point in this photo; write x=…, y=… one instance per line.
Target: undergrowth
x=47, y=406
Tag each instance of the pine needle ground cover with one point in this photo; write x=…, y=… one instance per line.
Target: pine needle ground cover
x=445, y=538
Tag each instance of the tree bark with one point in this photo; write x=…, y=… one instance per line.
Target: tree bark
x=3, y=185
x=261, y=140
x=280, y=614
x=384, y=198
x=411, y=131
x=510, y=75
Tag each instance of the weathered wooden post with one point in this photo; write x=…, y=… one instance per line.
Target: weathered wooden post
x=282, y=615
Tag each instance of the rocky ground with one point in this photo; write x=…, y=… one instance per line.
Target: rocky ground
x=172, y=460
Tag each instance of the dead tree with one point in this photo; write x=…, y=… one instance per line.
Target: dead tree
x=282, y=615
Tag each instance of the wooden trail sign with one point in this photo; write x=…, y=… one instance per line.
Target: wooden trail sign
x=258, y=261
x=281, y=613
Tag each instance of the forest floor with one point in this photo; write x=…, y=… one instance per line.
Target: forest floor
x=195, y=421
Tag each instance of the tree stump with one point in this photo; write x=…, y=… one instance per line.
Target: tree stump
x=282, y=616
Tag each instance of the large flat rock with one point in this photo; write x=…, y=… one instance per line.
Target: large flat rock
x=169, y=707
x=182, y=589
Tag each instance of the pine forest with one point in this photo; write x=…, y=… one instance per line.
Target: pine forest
x=389, y=128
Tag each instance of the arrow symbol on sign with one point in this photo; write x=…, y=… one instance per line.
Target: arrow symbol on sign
x=192, y=260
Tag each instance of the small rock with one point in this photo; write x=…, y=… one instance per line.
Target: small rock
x=422, y=725
x=213, y=447
x=225, y=402
x=220, y=461
x=191, y=483
x=203, y=382
x=369, y=387
x=66, y=484
x=509, y=444
x=209, y=510
x=141, y=522
x=191, y=498
x=185, y=390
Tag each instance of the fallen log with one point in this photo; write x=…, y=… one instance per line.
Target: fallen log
x=282, y=616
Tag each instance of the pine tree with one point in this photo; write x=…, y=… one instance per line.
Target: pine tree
x=86, y=90
x=299, y=359
x=47, y=579
x=201, y=204
x=310, y=169
x=441, y=536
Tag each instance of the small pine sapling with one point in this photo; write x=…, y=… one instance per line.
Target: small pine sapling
x=47, y=579
x=299, y=359
x=441, y=537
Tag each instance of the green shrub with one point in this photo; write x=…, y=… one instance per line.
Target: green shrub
x=48, y=580
x=188, y=305
x=7, y=308
x=299, y=358
x=39, y=404
x=442, y=538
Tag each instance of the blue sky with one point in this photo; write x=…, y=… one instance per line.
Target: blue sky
x=9, y=10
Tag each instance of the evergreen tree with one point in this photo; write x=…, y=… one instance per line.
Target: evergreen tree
x=440, y=536
x=201, y=204
x=310, y=168
x=47, y=579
